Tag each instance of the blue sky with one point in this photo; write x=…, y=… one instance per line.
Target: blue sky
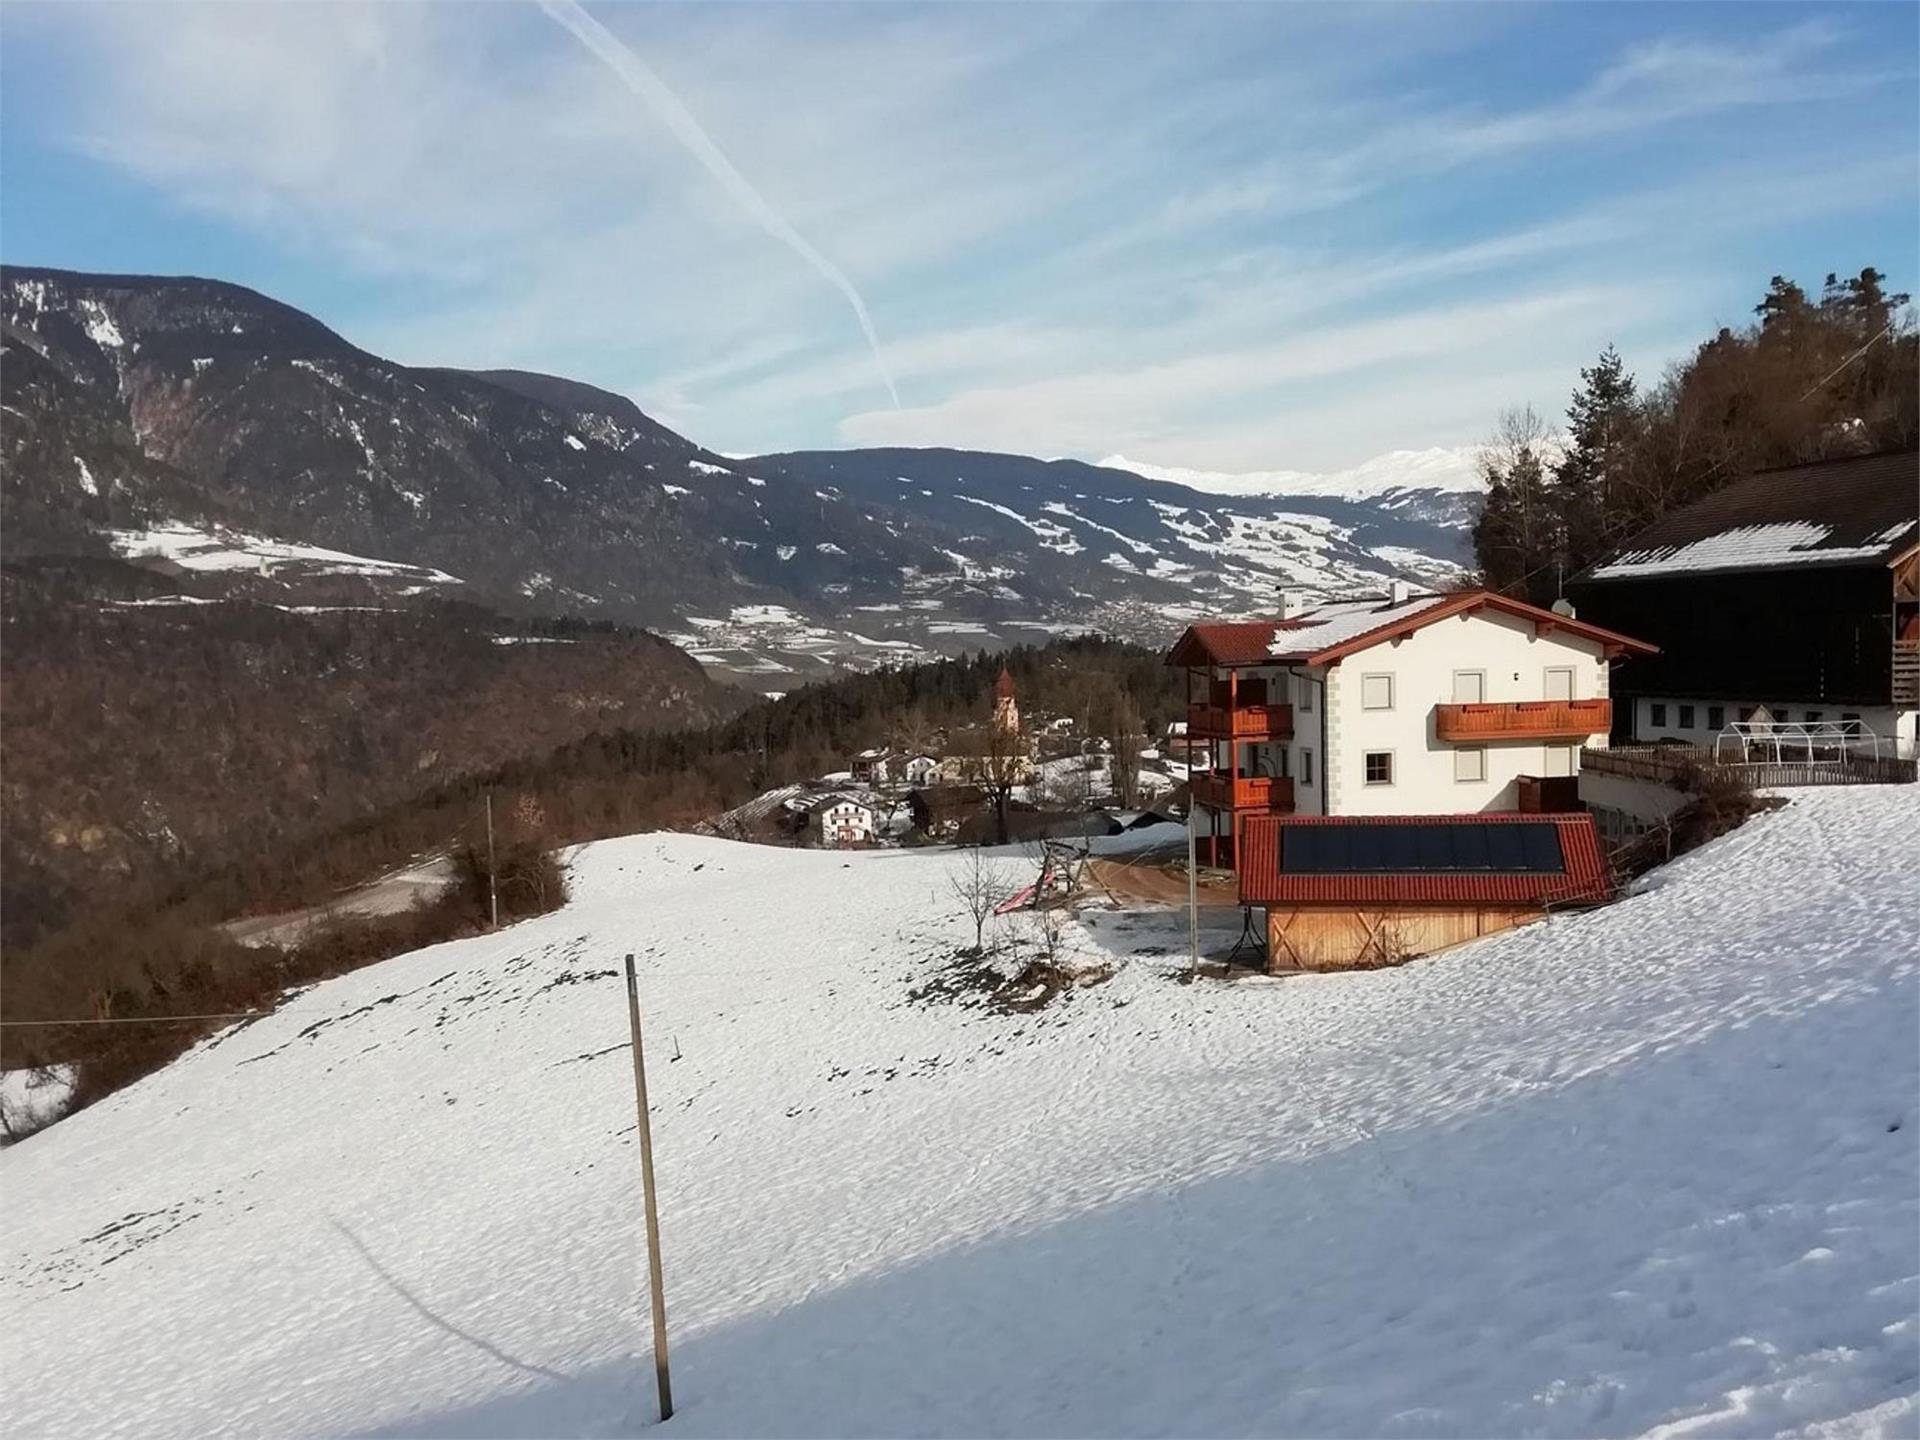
x=1224, y=236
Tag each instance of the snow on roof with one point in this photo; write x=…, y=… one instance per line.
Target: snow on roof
x=1855, y=511
x=1751, y=547
x=1333, y=624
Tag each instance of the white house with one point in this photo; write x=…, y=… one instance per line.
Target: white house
x=1412, y=704
x=921, y=769
x=837, y=821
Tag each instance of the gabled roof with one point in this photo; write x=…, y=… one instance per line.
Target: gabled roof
x=1566, y=864
x=1333, y=632
x=1859, y=511
x=827, y=802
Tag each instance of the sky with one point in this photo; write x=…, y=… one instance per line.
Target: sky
x=1226, y=236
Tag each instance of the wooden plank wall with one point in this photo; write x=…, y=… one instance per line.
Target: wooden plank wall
x=1346, y=937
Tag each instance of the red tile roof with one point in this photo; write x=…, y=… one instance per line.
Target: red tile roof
x=1235, y=643
x=1263, y=882
x=1226, y=642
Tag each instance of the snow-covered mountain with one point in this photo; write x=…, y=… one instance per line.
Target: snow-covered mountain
x=1447, y=470
x=153, y=406
x=1648, y=1169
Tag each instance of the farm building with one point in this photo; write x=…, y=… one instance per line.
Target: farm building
x=1794, y=591
x=1346, y=892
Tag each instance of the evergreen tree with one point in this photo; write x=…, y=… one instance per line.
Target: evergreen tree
x=1593, y=481
x=1517, y=535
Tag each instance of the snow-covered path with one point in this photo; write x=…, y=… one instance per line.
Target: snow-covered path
x=1649, y=1167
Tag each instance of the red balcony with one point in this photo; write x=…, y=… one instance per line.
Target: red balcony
x=1241, y=722
x=1523, y=720
x=1244, y=792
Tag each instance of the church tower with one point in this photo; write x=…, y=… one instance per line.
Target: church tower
x=1006, y=710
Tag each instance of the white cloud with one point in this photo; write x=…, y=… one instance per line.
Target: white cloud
x=1246, y=237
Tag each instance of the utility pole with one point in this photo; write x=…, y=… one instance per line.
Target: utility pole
x=1193, y=884
x=655, y=1284
x=493, y=884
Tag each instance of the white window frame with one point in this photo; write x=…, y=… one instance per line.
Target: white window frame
x=1477, y=753
x=1393, y=768
x=1385, y=675
x=1572, y=672
x=1572, y=754
x=1306, y=766
x=1456, y=687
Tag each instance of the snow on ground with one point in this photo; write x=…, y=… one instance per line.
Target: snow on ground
x=1650, y=1169
x=192, y=548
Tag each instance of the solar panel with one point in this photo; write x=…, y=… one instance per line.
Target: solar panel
x=1526, y=848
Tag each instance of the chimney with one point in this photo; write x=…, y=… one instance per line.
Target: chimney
x=1290, y=604
x=1398, y=592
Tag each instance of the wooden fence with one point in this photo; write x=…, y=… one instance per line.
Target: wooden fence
x=1662, y=763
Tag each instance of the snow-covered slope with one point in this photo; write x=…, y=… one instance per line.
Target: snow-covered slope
x=1448, y=469
x=1650, y=1169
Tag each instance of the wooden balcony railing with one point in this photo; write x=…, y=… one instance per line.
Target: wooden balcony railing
x=1523, y=720
x=1245, y=792
x=1906, y=677
x=1242, y=722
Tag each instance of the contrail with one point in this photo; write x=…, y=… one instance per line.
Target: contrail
x=666, y=106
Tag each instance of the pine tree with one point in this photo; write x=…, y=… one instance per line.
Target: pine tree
x=1593, y=480
x=1516, y=537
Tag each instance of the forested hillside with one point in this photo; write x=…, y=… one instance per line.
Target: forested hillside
x=133, y=955
x=1809, y=379
x=150, y=734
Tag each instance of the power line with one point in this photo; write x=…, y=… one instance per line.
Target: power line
x=1851, y=358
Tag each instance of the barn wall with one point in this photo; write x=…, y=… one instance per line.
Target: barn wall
x=1343, y=937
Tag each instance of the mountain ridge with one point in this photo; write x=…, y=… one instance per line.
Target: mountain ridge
x=150, y=399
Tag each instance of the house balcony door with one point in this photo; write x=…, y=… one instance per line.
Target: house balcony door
x=1469, y=687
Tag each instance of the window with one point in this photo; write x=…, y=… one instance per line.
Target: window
x=1659, y=714
x=1470, y=764
x=1379, y=767
x=1559, y=682
x=1813, y=717
x=1469, y=687
x=1686, y=717
x=1850, y=722
x=1306, y=767
x=1560, y=761
x=1746, y=713
x=1716, y=718
x=1306, y=695
x=1376, y=692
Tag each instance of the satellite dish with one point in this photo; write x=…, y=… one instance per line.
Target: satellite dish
x=1563, y=606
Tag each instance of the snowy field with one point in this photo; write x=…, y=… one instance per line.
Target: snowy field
x=1650, y=1170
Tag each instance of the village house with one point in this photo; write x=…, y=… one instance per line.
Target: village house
x=840, y=821
x=938, y=811
x=1340, y=892
x=1411, y=704
x=869, y=767
x=1789, y=599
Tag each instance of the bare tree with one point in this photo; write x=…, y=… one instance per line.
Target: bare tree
x=1128, y=737
x=979, y=884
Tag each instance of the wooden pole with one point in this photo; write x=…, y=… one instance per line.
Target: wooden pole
x=1193, y=889
x=654, y=1282
x=493, y=884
